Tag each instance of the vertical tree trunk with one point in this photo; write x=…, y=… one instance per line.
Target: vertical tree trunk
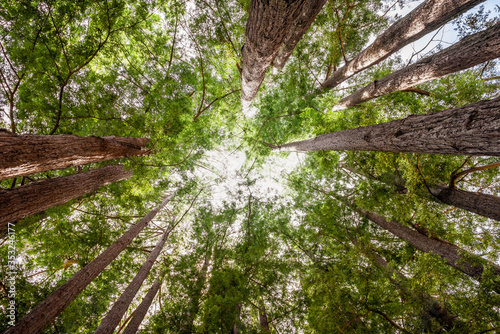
x=111, y=321
x=43, y=315
x=143, y=308
x=27, y=154
x=470, y=51
x=469, y=130
x=303, y=22
x=264, y=322
x=24, y=201
x=422, y=20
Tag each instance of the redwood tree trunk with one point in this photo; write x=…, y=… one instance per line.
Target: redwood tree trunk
x=111, y=321
x=27, y=154
x=482, y=204
x=470, y=51
x=422, y=20
x=303, y=22
x=24, y=201
x=142, y=309
x=469, y=130
x=46, y=312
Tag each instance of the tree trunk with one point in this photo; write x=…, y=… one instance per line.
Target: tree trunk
x=111, y=321
x=264, y=322
x=268, y=25
x=28, y=154
x=24, y=201
x=470, y=51
x=482, y=204
x=45, y=313
x=142, y=309
x=422, y=20
x=454, y=256
x=303, y=22
x=469, y=130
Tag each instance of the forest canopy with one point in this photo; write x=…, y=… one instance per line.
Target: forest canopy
x=249, y=166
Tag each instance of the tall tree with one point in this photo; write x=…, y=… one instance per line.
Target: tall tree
x=470, y=51
x=469, y=130
x=28, y=154
x=45, y=313
x=427, y=17
x=27, y=200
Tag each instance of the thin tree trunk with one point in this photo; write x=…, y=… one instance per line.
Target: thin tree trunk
x=24, y=201
x=303, y=22
x=268, y=25
x=111, y=321
x=422, y=20
x=470, y=51
x=264, y=322
x=469, y=130
x=46, y=312
x=143, y=308
x=27, y=154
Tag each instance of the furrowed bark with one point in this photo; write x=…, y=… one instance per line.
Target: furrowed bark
x=24, y=201
x=268, y=25
x=422, y=20
x=27, y=154
x=46, y=312
x=469, y=130
x=111, y=321
x=303, y=22
x=470, y=51
x=143, y=308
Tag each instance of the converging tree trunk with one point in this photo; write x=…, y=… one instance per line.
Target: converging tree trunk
x=469, y=130
x=422, y=20
x=27, y=154
x=470, y=51
x=46, y=312
x=111, y=321
x=143, y=308
x=24, y=201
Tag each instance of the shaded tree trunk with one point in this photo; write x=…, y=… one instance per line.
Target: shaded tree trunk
x=470, y=51
x=143, y=308
x=469, y=130
x=264, y=322
x=422, y=20
x=111, y=321
x=28, y=154
x=24, y=201
x=303, y=22
x=46, y=312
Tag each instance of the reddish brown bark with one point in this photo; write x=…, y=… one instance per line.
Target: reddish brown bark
x=27, y=154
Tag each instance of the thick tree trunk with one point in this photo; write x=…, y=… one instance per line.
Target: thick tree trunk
x=43, y=315
x=143, y=308
x=482, y=204
x=422, y=20
x=24, y=201
x=264, y=321
x=27, y=154
x=470, y=51
x=268, y=25
x=469, y=130
x=111, y=321
x=454, y=256
x=303, y=22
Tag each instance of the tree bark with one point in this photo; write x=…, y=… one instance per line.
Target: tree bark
x=264, y=322
x=303, y=22
x=27, y=154
x=468, y=263
x=469, y=130
x=268, y=25
x=43, y=315
x=24, y=201
x=470, y=51
x=482, y=204
x=422, y=20
x=111, y=321
x=143, y=308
